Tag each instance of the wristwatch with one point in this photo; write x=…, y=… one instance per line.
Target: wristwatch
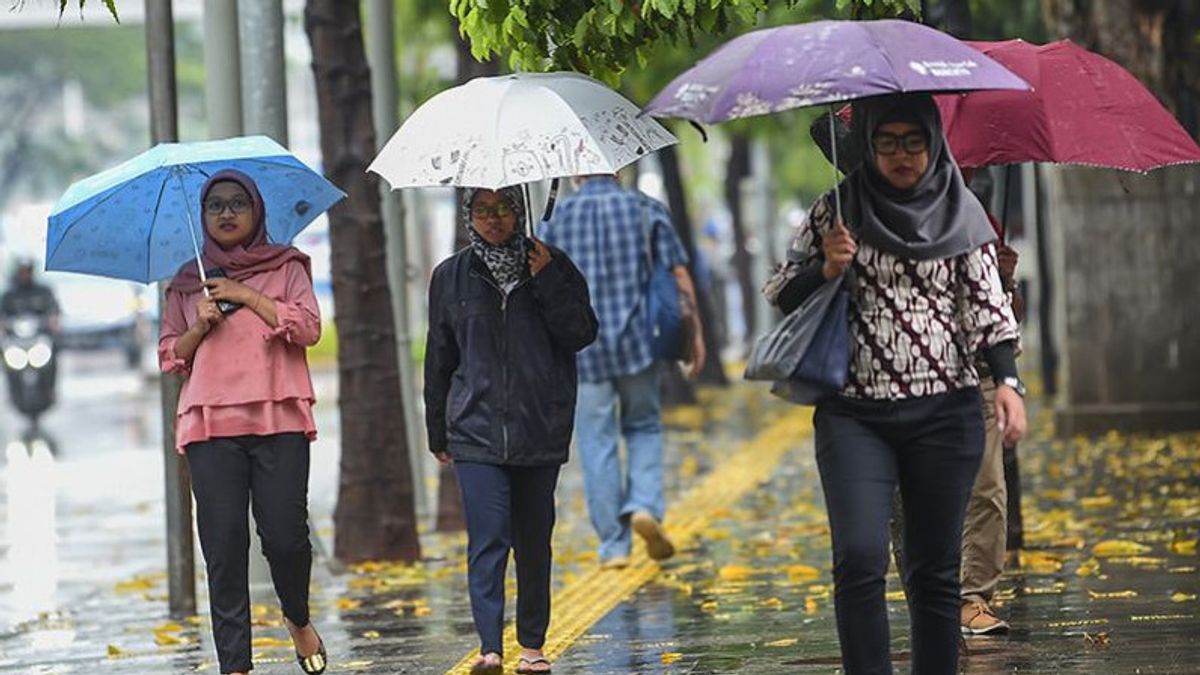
x=1016, y=384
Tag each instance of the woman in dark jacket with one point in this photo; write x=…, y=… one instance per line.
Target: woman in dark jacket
x=506, y=316
x=927, y=298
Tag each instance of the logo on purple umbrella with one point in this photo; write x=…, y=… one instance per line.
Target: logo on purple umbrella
x=943, y=68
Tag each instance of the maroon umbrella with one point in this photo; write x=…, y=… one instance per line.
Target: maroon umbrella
x=1084, y=109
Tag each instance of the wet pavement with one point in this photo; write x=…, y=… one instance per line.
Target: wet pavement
x=1108, y=584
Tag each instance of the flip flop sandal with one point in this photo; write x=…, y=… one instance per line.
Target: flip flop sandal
x=482, y=667
x=525, y=665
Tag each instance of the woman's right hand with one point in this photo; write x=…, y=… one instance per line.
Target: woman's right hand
x=207, y=315
x=839, y=248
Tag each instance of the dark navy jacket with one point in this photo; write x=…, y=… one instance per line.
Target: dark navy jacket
x=500, y=371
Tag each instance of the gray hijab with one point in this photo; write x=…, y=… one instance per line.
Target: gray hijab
x=938, y=217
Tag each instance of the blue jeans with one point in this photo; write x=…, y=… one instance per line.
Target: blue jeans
x=628, y=404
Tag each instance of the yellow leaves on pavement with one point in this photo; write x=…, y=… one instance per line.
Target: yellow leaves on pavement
x=265, y=641
x=801, y=573
x=1039, y=562
x=140, y=583
x=668, y=658
x=1112, y=595
x=1117, y=547
x=1179, y=596
x=346, y=604
x=114, y=652
x=786, y=642
x=735, y=572
x=1187, y=547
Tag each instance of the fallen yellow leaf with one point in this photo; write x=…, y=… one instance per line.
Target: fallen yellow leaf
x=1118, y=547
x=347, y=603
x=1039, y=562
x=114, y=651
x=895, y=596
x=422, y=611
x=810, y=606
x=710, y=606
x=668, y=658
x=798, y=574
x=773, y=603
x=267, y=641
x=1184, y=547
x=735, y=572
x=371, y=635
x=1180, y=596
x=1098, y=502
x=786, y=642
x=1112, y=595
x=167, y=640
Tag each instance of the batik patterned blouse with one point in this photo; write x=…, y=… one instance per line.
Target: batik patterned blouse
x=915, y=326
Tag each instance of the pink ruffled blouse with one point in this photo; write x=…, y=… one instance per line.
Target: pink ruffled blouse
x=246, y=378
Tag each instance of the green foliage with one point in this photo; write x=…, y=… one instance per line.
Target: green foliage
x=110, y=5
x=601, y=38
x=879, y=9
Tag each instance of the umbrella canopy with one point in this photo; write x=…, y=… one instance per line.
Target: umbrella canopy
x=807, y=64
x=493, y=132
x=141, y=220
x=1084, y=109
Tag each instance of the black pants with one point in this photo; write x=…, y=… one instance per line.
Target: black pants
x=931, y=446
x=229, y=475
x=508, y=508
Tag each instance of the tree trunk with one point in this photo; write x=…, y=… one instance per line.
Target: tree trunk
x=713, y=372
x=1128, y=354
x=737, y=169
x=375, y=517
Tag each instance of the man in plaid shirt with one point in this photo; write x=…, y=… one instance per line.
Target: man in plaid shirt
x=609, y=233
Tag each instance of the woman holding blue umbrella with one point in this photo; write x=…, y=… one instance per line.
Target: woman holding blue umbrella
x=237, y=328
x=926, y=298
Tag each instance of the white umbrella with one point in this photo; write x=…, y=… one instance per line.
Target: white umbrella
x=494, y=132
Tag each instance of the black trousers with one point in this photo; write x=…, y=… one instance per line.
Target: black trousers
x=508, y=508
x=931, y=447
x=229, y=476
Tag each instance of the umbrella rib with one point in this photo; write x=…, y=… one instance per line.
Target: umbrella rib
x=162, y=188
x=75, y=221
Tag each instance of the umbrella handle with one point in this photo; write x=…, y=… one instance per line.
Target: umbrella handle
x=553, y=197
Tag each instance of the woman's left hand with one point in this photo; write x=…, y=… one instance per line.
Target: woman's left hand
x=228, y=289
x=539, y=257
x=1010, y=414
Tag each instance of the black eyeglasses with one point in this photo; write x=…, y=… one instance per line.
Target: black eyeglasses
x=216, y=206
x=913, y=143
x=482, y=211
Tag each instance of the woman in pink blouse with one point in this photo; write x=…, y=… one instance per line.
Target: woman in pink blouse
x=926, y=301
x=245, y=418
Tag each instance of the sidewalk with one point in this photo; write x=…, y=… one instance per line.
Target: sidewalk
x=1109, y=585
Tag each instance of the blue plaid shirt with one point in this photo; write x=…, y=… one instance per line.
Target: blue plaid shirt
x=603, y=228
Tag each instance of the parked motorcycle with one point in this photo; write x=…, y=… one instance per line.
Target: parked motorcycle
x=31, y=363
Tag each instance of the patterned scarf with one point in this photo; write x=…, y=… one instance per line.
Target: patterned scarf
x=507, y=261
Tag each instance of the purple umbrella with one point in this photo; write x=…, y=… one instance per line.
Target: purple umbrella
x=807, y=64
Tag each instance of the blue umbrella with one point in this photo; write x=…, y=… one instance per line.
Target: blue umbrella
x=141, y=220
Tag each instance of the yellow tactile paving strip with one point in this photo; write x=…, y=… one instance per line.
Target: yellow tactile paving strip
x=581, y=604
